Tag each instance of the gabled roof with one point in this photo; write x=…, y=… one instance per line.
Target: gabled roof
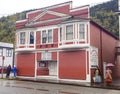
x=48, y=12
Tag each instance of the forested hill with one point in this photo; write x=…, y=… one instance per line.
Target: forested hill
x=103, y=14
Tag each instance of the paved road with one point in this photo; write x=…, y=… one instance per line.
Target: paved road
x=25, y=87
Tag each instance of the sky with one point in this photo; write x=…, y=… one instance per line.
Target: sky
x=8, y=7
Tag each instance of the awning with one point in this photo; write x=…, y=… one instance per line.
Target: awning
x=47, y=61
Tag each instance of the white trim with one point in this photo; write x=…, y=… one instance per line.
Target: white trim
x=21, y=21
x=73, y=80
x=45, y=21
x=79, y=8
x=57, y=65
x=35, y=64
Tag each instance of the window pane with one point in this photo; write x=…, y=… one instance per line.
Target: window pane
x=31, y=37
x=69, y=32
x=22, y=38
x=1, y=52
x=49, y=36
x=44, y=36
x=60, y=34
x=81, y=31
x=8, y=52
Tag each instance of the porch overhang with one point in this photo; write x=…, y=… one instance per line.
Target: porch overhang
x=46, y=60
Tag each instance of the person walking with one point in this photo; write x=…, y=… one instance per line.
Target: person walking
x=8, y=71
x=14, y=71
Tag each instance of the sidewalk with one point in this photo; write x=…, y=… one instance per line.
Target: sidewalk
x=115, y=85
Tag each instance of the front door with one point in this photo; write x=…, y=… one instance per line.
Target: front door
x=52, y=66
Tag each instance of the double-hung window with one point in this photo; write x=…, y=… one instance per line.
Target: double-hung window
x=1, y=51
x=60, y=34
x=8, y=52
x=81, y=31
x=22, y=37
x=47, y=36
x=31, y=37
x=69, y=32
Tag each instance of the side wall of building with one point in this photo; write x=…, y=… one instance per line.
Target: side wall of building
x=105, y=44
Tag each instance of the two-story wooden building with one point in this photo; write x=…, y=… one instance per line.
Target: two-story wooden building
x=62, y=41
x=6, y=54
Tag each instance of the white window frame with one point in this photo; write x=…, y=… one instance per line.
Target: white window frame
x=47, y=37
x=66, y=32
x=85, y=29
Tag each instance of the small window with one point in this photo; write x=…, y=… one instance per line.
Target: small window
x=50, y=36
x=22, y=38
x=31, y=37
x=69, y=32
x=46, y=56
x=60, y=33
x=42, y=64
x=8, y=52
x=81, y=31
x=1, y=51
x=44, y=36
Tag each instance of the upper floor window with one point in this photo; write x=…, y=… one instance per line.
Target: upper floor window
x=31, y=37
x=22, y=37
x=60, y=34
x=47, y=36
x=8, y=52
x=69, y=32
x=81, y=31
x=1, y=51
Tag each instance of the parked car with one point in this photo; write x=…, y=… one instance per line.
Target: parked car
x=4, y=69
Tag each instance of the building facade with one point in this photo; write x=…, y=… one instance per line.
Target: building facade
x=6, y=54
x=63, y=42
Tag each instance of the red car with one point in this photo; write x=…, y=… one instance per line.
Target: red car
x=4, y=69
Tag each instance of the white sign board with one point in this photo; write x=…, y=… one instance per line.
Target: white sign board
x=94, y=56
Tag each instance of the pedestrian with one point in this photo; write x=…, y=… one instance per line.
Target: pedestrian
x=14, y=71
x=108, y=77
x=8, y=71
x=97, y=76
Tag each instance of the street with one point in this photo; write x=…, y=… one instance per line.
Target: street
x=25, y=87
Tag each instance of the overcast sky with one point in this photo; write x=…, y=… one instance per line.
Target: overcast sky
x=8, y=7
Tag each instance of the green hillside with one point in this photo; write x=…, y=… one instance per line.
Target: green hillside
x=103, y=14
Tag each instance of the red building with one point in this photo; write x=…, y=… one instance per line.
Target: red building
x=63, y=42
